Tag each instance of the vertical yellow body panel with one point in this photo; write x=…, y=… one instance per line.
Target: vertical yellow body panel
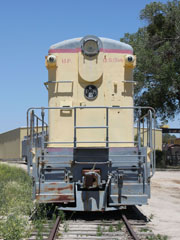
x=66, y=85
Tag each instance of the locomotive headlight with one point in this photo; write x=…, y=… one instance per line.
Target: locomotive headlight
x=90, y=45
x=51, y=61
x=90, y=48
x=130, y=61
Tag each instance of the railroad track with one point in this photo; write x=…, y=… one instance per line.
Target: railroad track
x=123, y=225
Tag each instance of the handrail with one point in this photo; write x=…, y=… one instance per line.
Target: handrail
x=92, y=107
x=65, y=81
x=149, y=116
x=88, y=142
x=27, y=119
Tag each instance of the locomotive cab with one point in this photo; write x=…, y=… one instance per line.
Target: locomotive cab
x=88, y=159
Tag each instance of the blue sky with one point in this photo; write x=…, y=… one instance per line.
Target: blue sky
x=28, y=28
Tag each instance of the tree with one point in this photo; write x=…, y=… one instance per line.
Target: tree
x=157, y=46
x=166, y=137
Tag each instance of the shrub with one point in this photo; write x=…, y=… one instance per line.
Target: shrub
x=14, y=228
x=16, y=191
x=15, y=202
x=159, y=159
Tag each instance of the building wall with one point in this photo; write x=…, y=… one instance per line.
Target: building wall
x=174, y=141
x=158, y=137
x=23, y=133
x=10, y=145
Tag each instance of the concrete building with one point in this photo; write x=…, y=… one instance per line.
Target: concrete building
x=11, y=142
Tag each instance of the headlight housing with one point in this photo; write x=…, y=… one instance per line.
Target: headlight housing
x=90, y=46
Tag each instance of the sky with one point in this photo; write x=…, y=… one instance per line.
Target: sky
x=29, y=28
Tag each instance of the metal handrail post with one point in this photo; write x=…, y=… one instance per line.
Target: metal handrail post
x=154, y=141
x=139, y=128
x=37, y=130
x=75, y=139
x=150, y=128
x=107, y=127
x=27, y=119
x=30, y=156
x=148, y=131
x=143, y=132
x=42, y=115
x=150, y=140
x=32, y=129
x=46, y=129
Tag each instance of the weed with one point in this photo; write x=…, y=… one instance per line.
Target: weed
x=42, y=214
x=111, y=228
x=14, y=228
x=15, y=202
x=145, y=230
x=62, y=216
x=38, y=224
x=99, y=231
x=54, y=217
x=66, y=227
x=16, y=191
x=151, y=216
x=119, y=226
x=157, y=237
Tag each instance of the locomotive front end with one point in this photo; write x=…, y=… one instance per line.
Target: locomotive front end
x=88, y=160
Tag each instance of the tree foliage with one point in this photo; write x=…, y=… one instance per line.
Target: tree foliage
x=166, y=137
x=157, y=46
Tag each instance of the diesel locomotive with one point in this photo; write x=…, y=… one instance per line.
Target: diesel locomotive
x=82, y=147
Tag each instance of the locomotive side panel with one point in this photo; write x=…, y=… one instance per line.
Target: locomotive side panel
x=62, y=91
x=119, y=93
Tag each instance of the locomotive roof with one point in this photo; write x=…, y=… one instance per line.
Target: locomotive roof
x=109, y=44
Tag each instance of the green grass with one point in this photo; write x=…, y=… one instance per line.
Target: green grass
x=157, y=237
x=15, y=202
x=119, y=226
x=111, y=228
x=99, y=231
x=145, y=230
x=16, y=190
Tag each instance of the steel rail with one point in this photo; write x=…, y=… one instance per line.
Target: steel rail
x=33, y=213
x=129, y=228
x=54, y=230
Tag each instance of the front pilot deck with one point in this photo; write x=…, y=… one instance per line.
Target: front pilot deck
x=92, y=178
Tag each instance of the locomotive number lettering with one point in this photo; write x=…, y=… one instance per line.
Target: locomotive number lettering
x=66, y=61
x=112, y=60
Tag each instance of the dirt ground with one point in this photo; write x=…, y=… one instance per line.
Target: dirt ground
x=164, y=205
